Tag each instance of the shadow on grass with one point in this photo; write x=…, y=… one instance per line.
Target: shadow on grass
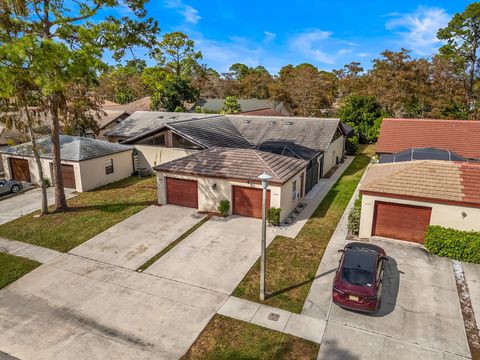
x=324, y=206
x=111, y=208
x=287, y=289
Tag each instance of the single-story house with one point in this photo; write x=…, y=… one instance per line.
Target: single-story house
x=459, y=136
x=254, y=107
x=400, y=200
x=204, y=179
x=86, y=163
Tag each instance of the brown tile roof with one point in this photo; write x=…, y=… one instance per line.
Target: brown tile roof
x=441, y=181
x=460, y=136
x=242, y=164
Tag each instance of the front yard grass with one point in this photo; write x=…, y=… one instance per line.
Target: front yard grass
x=14, y=267
x=292, y=263
x=225, y=338
x=90, y=213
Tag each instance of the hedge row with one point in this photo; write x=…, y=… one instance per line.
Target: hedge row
x=455, y=244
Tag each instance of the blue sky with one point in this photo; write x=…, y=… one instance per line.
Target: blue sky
x=327, y=34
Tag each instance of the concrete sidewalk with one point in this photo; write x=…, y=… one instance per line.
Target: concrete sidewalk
x=28, y=251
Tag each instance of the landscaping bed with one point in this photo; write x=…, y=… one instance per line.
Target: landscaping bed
x=292, y=263
x=14, y=267
x=226, y=338
x=90, y=213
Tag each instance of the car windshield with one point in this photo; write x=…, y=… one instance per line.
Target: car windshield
x=357, y=276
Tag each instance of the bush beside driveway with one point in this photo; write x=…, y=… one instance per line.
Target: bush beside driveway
x=90, y=213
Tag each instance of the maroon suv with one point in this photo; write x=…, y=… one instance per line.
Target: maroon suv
x=358, y=280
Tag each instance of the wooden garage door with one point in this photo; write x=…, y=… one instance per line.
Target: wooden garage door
x=182, y=192
x=68, y=175
x=20, y=170
x=403, y=222
x=248, y=201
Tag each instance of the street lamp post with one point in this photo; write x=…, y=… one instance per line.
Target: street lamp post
x=263, y=265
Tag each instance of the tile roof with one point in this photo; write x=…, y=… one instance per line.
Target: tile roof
x=436, y=180
x=460, y=136
x=242, y=164
x=72, y=148
x=110, y=116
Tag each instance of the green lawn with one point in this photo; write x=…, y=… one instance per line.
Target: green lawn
x=292, y=263
x=90, y=213
x=13, y=268
x=227, y=339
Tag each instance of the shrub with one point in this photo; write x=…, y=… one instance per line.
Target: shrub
x=351, y=145
x=455, y=244
x=273, y=216
x=46, y=181
x=354, y=217
x=224, y=207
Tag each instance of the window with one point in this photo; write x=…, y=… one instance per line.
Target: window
x=155, y=140
x=294, y=189
x=109, y=166
x=182, y=143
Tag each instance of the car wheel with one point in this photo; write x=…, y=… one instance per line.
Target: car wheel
x=15, y=189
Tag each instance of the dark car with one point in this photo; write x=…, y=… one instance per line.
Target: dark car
x=359, y=277
x=10, y=186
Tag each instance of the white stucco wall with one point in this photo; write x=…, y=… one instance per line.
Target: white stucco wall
x=92, y=174
x=335, y=149
x=89, y=174
x=208, y=198
x=150, y=156
x=288, y=203
x=449, y=216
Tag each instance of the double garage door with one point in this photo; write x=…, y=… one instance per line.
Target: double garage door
x=245, y=201
x=400, y=221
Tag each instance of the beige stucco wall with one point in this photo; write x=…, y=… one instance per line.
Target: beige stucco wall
x=150, y=156
x=89, y=174
x=208, y=198
x=336, y=148
x=288, y=203
x=449, y=216
x=92, y=172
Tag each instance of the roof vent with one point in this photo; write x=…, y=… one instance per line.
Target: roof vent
x=246, y=121
x=273, y=122
x=289, y=123
x=160, y=117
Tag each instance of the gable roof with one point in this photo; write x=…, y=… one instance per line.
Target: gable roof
x=72, y=148
x=430, y=180
x=242, y=164
x=460, y=136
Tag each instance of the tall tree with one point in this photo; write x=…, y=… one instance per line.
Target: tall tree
x=463, y=45
x=71, y=46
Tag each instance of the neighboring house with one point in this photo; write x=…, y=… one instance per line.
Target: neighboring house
x=86, y=163
x=204, y=179
x=421, y=154
x=459, y=136
x=108, y=120
x=254, y=107
x=400, y=200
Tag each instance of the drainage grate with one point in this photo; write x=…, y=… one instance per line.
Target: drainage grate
x=273, y=316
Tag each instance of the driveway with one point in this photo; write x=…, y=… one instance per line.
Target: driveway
x=216, y=256
x=76, y=308
x=420, y=316
x=27, y=202
x=135, y=240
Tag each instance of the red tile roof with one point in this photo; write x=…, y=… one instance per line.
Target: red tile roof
x=460, y=136
x=438, y=181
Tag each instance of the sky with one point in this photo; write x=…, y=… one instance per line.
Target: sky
x=327, y=34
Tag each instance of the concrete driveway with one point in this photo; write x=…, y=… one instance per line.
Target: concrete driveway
x=27, y=202
x=216, y=256
x=76, y=308
x=135, y=240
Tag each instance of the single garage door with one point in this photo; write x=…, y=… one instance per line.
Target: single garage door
x=399, y=221
x=182, y=192
x=20, y=170
x=248, y=201
x=68, y=175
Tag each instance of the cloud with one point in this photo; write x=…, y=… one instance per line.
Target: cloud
x=189, y=13
x=269, y=37
x=321, y=46
x=364, y=54
x=418, y=29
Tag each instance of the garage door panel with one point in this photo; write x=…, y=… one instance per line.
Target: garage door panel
x=20, y=169
x=248, y=201
x=402, y=222
x=68, y=176
x=182, y=192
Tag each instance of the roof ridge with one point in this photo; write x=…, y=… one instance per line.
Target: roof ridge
x=256, y=152
x=475, y=121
